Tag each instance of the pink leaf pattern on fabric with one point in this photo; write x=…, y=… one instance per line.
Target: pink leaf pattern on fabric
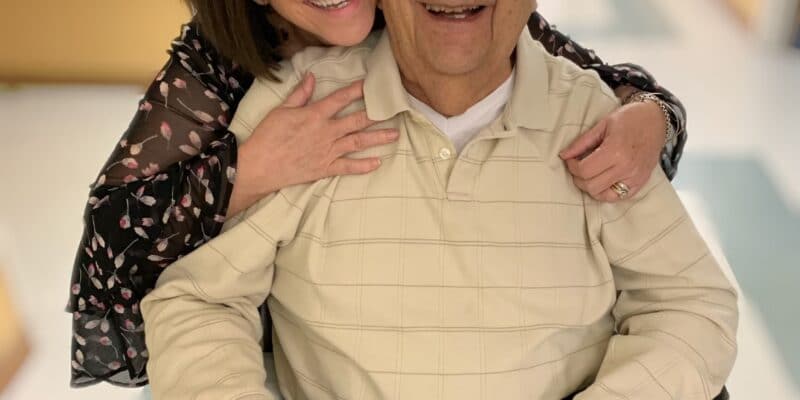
x=194, y=138
x=204, y=116
x=130, y=163
x=92, y=324
x=140, y=231
x=148, y=200
x=100, y=240
x=130, y=178
x=190, y=150
x=166, y=131
x=119, y=260
x=164, y=88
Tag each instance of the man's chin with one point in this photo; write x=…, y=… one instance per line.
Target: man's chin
x=450, y=61
x=445, y=28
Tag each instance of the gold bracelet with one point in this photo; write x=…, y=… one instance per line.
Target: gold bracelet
x=645, y=97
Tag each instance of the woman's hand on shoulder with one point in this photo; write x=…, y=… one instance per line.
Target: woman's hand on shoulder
x=623, y=147
x=301, y=142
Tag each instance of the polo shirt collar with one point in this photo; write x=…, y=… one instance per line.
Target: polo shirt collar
x=529, y=106
x=385, y=96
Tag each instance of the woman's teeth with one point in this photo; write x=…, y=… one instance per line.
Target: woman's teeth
x=329, y=4
x=452, y=12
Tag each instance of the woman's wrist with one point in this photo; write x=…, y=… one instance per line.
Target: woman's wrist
x=249, y=186
x=663, y=108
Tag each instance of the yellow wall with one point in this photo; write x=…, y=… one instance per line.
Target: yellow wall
x=748, y=10
x=13, y=343
x=86, y=40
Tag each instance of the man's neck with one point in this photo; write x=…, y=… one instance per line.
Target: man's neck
x=452, y=95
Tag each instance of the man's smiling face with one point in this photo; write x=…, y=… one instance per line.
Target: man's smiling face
x=455, y=37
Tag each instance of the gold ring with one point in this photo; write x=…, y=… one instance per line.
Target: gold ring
x=621, y=189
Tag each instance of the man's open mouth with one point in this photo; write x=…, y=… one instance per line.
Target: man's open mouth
x=460, y=12
x=328, y=4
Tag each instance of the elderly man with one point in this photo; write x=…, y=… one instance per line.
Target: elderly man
x=468, y=266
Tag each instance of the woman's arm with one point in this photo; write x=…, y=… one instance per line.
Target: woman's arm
x=164, y=191
x=617, y=76
x=168, y=187
x=634, y=119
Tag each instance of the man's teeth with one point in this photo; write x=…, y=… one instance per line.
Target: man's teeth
x=329, y=4
x=452, y=12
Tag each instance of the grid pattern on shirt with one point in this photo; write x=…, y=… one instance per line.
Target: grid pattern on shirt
x=409, y=290
x=477, y=277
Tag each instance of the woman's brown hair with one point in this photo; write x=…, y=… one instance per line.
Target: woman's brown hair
x=240, y=30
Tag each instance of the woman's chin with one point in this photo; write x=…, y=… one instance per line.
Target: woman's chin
x=349, y=36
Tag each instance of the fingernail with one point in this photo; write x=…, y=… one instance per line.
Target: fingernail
x=393, y=135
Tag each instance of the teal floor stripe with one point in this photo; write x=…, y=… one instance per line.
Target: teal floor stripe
x=760, y=235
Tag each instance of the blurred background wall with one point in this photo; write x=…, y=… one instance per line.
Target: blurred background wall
x=86, y=40
x=115, y=41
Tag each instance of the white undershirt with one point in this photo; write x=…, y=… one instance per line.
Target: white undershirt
x=461, y=128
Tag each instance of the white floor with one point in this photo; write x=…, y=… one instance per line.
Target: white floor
x=742, y=99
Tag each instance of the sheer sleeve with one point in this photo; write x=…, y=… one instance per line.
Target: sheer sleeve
x=617, y=75
x=163, y=192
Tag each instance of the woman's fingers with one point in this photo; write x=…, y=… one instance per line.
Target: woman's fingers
x=301, y=93
x=610, y=196
x=356, y=142
x=357, y=121
x=586, y=142
x=338, y=100
x=363, y=140
x=591, y=166
x=353, y=166
x=599, y=161
x=600, y=183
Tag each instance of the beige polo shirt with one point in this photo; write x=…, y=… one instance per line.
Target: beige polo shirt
x=482, y=275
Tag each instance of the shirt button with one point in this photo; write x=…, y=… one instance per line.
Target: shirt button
x=444, y=153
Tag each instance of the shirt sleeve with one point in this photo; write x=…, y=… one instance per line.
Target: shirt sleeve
x=202, y=323
x=617, y=75
x=676, y=312
x=163, y=192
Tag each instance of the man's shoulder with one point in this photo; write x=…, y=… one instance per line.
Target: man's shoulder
x=565, y=77
x=343, y=64
x=575, y=96
x=333, y=68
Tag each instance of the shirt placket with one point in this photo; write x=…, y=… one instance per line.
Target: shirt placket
x=459, y=173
